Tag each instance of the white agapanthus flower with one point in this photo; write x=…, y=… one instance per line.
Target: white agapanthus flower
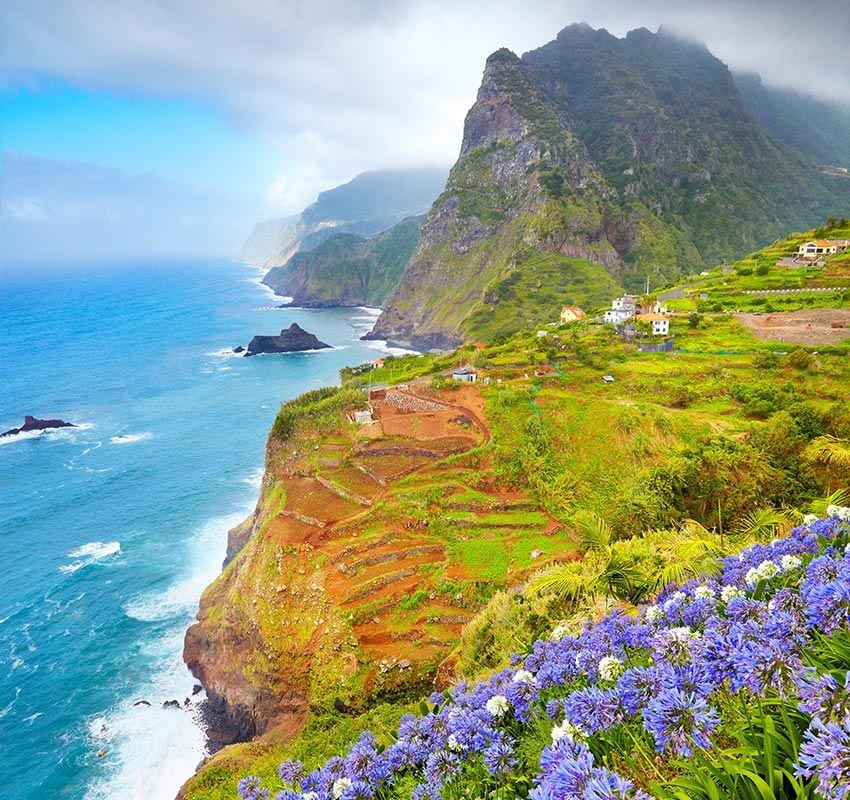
x=730, y=592
x=523, y=676
x=682, y=633
x=610, y=668
x=674, y=599
x=566, y=730
x=340, y=785
x=704, y=593
x=752, y=577
x=454, y=744
x=498, y=705
x=309, y=796
x=790, y=562
x=809, y=519
x=653, y=614
x=559, y=632
x=842, y=512
x=767, y=569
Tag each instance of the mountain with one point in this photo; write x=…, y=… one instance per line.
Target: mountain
x=368, y=204
x=347, y=270
x=821, y=130
x=591, y=163
x=268, y=239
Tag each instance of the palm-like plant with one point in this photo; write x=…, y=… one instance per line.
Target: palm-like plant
x=764, y=523
x=829, y=451
x=630, y=569
x=839, y=497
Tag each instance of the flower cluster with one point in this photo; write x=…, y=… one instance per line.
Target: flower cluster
x=661, y=673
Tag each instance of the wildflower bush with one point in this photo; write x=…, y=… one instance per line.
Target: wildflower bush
x=734, y=686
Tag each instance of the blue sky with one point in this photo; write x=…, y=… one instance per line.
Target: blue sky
x=181, y=140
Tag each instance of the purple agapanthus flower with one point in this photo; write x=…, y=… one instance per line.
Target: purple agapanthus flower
x=825, y=755
x=680, y=720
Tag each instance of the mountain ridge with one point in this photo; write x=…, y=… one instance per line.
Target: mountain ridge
x=367, y=205
x=635, y=155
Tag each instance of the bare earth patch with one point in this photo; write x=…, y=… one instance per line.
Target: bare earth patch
x=811, y=327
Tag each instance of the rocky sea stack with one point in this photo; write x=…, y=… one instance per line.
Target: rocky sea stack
x=293, y=339
x=35, y=424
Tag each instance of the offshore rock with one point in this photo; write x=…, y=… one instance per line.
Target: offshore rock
x=35, y=424
x=293, y=339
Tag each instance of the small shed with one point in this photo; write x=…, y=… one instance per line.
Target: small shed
x=465, y=375
x=571, y=314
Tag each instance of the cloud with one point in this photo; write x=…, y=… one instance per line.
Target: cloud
x=351, y=84
x=24, y=209
x=61, y=210
x=341, y=86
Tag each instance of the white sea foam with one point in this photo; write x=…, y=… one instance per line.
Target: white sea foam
x=226, y=353
x=151, y=751
x=258, y=281
x=131, y=438
x=7, y=708
x=255, y=479
x=90, y=553
x=148, y=750
x=50, y=433
x=391, y=350
x=208, y=546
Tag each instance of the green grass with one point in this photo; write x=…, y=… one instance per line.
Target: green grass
x=485, y=559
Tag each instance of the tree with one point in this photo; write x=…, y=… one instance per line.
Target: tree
x=694, y=320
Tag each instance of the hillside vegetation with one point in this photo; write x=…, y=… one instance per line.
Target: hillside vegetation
x=347, y=270
x=635, y=154
x=468, y=521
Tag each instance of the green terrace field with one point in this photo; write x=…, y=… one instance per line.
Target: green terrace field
x=786, y=288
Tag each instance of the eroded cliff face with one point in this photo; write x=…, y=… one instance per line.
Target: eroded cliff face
x=308, y=613
x=495, y=210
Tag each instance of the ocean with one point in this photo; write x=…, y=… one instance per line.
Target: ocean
x=110, y=531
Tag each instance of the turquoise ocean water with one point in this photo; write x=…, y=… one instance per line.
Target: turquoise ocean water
x=110, y=531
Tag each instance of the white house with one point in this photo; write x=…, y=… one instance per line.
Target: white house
x=616, y=316
x=628, y=302
x=821, y=247
x=660, y=324
x=465, y=375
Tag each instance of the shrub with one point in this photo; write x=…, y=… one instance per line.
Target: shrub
x=758, y=398
x=800, y=359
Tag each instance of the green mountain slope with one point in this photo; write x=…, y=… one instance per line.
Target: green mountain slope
x=632, y=154
x=347, y=270
x=820, y=129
